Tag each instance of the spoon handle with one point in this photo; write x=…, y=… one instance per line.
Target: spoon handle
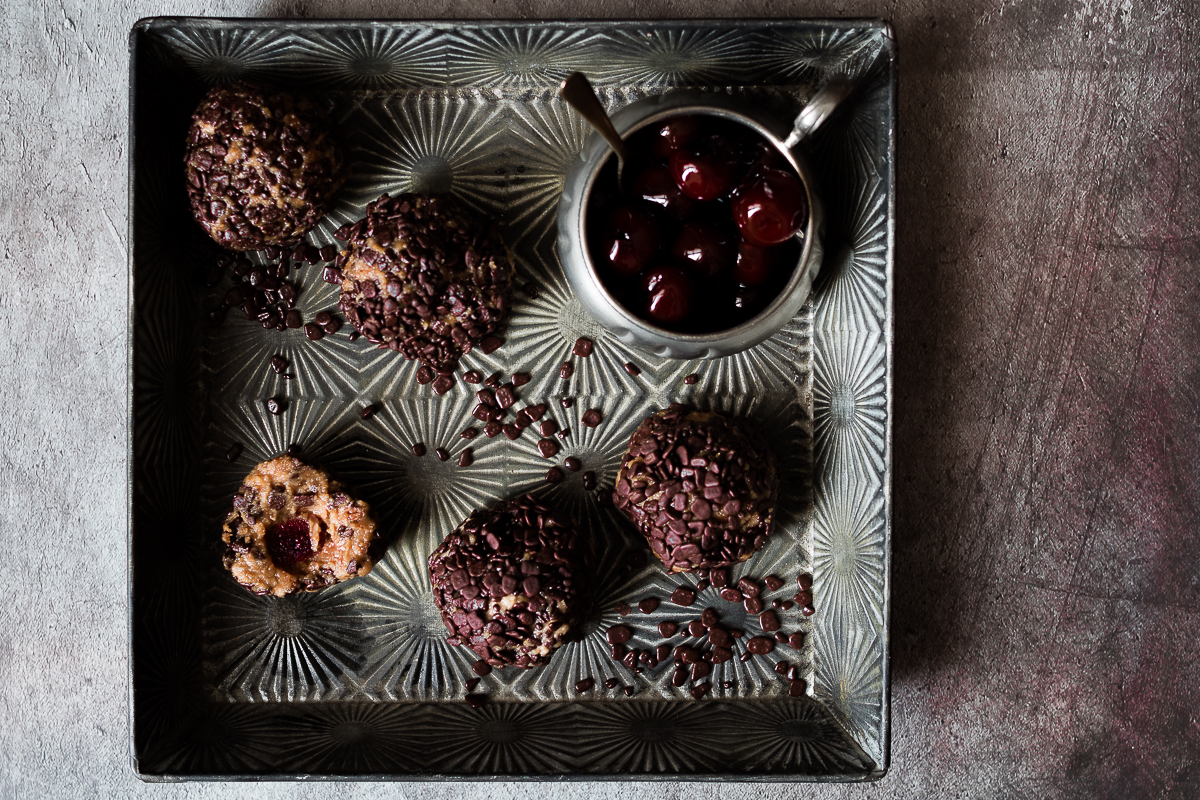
x=819, y=109
x=580, y=96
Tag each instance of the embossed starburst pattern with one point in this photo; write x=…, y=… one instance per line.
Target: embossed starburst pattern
x=358, y=679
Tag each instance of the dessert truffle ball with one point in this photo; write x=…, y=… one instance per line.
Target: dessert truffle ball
x=512, y=582
x=292, y=529
x=262, y=166
x=700, y=486
x=425, y=277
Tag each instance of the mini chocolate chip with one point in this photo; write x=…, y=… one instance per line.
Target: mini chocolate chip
x=418, y=449
x=773, y=583
x=554, y=475
x=730, y=594
x=618, y=634
x=481, y=668
x=611, y=683
x=476, y=700
x=278, y=363
x=572, y=463
x=589, y=480
x=648, y=605
x=520, y=378
x=632, y=369
x=490, y=344
x=492, y=429
x=781, y=667
x=628, y=691
x=592, y=417
x=548, y=448
x=471, y=684
x=472, y=376
x=328, y=252
x=505, y=397
x=566, y=402
x=719, y=577
x=233, y=452
x=564, y=433
x=805, y=581
x=760, y=645
x=442, y=454
x=679, y=677
x=796, y=688
x=807, y=611
x=424, y=375
x=294, y=450
x=549, y=428
x=748, y=587
x=796, y=640
x=690, y=380
x=701, y=585
x=696, y=628
x=667, y=629
x=566, y=371
x=768, y=621
x=276, y=405
x=314, y=331
x=683, y=596
x=623, y=608
x=583, y=347
x=512, y=431
x=709, y=617
x=752, y=605
x=584, y=685
x=367, y=412
x=699, y=690
x=469, y=433
x=293, y=319
x=781, y=637
x=493, y=380
x=466, y=458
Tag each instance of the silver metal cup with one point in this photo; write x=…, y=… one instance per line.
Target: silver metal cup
x=576, y=258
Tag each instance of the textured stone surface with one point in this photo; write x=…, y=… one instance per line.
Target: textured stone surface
x=1046, y=625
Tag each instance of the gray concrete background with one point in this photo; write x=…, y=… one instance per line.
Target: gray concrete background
x=1046, y=629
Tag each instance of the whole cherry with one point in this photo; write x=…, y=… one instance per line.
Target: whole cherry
x=674, y=134
x=705, y=248
x=703, y=169
x=630, y=241
x=668, y=294
x=754, y=264
x=656, y=185
x=770, y=207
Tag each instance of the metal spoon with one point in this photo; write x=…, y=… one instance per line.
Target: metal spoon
x=580, y=96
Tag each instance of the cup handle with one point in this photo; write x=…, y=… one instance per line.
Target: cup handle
x=819, y=109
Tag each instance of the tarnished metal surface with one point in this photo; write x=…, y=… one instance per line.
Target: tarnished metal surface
x=229, y=684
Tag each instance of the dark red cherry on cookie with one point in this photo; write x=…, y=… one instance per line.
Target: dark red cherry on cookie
x=674, y=134
x=630, y=241
x=703, y=170
x=668, y=294
x=705, y=248
x=754, y=264
x=289, y=542
x=770, y=207
x=656, y=185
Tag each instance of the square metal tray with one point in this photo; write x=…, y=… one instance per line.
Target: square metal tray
x=357, y=680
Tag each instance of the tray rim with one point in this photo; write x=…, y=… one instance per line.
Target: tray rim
x=147, y=25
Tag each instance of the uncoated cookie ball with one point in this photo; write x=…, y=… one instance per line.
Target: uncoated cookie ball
x=262, y=166
x=425, y=277
x=512, y=582
x=292, y=529
x=700, y=486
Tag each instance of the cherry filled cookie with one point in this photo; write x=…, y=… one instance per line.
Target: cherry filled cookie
x=293, y=529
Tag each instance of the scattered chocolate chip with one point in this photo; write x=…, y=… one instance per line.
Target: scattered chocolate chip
x=418, y=449
x=632, y=369
x=469, y=433
x=476, y=700
x=332, y=275
x=554, y=475
x=679, y=677
x=549, y=428
x=623, y=608
x=709, y=617
x=618, y=634
x=472, y=376
x=736, y=633
x=592, y=417
x=520, y=378
x=584, y=685
x=313, y=331
x=805, y=581
x=566, y=371
x=328, y=252
x=466, y=458
x=442, y=454
x=752, y=605
x=699, y=690
x=589, y=480
x=719, y=577
x=796, y=640
x=683, y=596
x=611, y=683
x=294, y=450
x=700, y=670
x=667, y=629
x=807, y=611
x=424, y=375
x=781, y=667
x=719, y=636
x=566, y=402
x=490, y=344
x=505, y=397
x=696, y=629
x=768, y=621
x=493, y=380
x=548, y=448
x=796, y=688
x=748, y=587
x=277, y=405
x=773, y=583
x=531, y=290
x=352, y=335
x=701, y=585
x=443, y=383
x=731, y=594
x=628, y=691
x=278, y=363
x=367, y=412
x=512, y=431
x=492, y=429
x=583, y=347
x=481, y=668
x=471, y=684
x=760, y=645
x=564, y=433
